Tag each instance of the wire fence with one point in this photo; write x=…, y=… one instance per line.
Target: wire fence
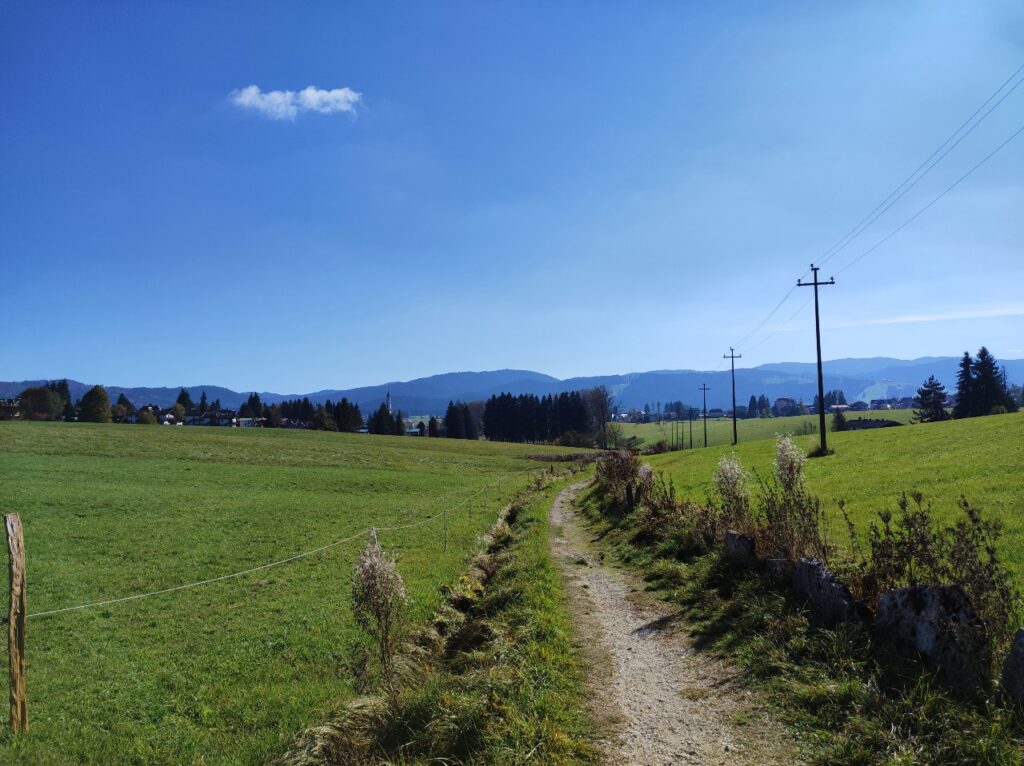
x=262, y=567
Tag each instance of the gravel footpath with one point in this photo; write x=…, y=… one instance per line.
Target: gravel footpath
x=664, y=702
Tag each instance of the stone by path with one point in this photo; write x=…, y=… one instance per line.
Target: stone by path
x=662, y=701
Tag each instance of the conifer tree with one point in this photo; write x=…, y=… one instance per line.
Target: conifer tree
x=965, y=399
x=752, y=411
x=931, y=402
x=203, y=404
x=454, y=422
x=991, y=393
x=433, y=427
x=184, y=399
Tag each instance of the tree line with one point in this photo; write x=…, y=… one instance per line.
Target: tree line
x=573, y=418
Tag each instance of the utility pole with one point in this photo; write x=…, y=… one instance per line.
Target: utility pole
x=704, y=387
x=817, y=334
x=689, y=416
x=732, y=357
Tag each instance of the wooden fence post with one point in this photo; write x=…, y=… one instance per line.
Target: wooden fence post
x=16, y=624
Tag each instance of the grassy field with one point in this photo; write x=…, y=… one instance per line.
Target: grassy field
x=228, y=672
x=980, y=458
x=501, y=681
x=720, y=429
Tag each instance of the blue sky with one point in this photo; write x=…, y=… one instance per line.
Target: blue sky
x=575, y=188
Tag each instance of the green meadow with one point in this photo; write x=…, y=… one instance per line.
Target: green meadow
x=979, y=458
x=720, y=429
x=232, y=671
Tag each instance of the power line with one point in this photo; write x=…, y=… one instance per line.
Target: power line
x=901, y=189
x=896, y=194
x=946, y=191
x=886, y=238
x=764, y=321
x=782, y=326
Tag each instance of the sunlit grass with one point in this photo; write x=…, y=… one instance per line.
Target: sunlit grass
x=229, y=672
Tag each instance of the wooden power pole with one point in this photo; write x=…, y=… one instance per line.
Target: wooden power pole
x=732, y=357
x=704, y=387
x=16, y=624
x=817, y=334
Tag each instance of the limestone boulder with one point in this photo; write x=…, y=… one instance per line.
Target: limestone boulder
x=829, y=599
x=1012, y=683
x=938, y=624
x=740, y=550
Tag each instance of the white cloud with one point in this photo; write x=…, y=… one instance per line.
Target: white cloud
x=975, y=313
x=286, y=104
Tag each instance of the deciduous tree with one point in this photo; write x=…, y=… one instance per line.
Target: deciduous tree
x=95, y=406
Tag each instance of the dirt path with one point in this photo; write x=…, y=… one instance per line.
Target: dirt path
x=663, y=702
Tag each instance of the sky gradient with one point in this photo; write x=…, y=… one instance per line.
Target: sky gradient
x=266, y=199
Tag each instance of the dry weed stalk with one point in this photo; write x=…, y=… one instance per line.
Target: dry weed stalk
x=379, y=603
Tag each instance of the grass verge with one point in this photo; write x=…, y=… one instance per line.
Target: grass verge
x=493, y=679
x=845, y=700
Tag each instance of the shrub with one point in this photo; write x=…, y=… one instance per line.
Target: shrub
x=617, y=474
x=911, y=549
x=791, y=520
x=657, y=448
x=732, y=483
x=379, y=603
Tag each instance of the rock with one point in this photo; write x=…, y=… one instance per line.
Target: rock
x=777, y=567
x=938, y=623
x=740, y=549
x=1012, y=682
x=830, y=600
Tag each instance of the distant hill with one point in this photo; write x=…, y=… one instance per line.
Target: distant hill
x=874, y=378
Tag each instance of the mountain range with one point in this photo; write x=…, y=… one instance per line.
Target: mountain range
x=860, y=379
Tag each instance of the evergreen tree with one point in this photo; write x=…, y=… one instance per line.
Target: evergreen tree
x=124, y=401
x=838, y=421
x=931, y=402
x=981, y=387
x=454, y=422
x=347, y=416
x=469, y=423
x=95, y=406
x=992, y=395
x=965, y=399
x=764, y=407
x=274, y=417
x=185, y=399
x=752, y=410
x=422, y=428
x=203, y=404
x=215, y=406
x=398, y=424
x=433, y=427
x=380, y=422
x=252, y=407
